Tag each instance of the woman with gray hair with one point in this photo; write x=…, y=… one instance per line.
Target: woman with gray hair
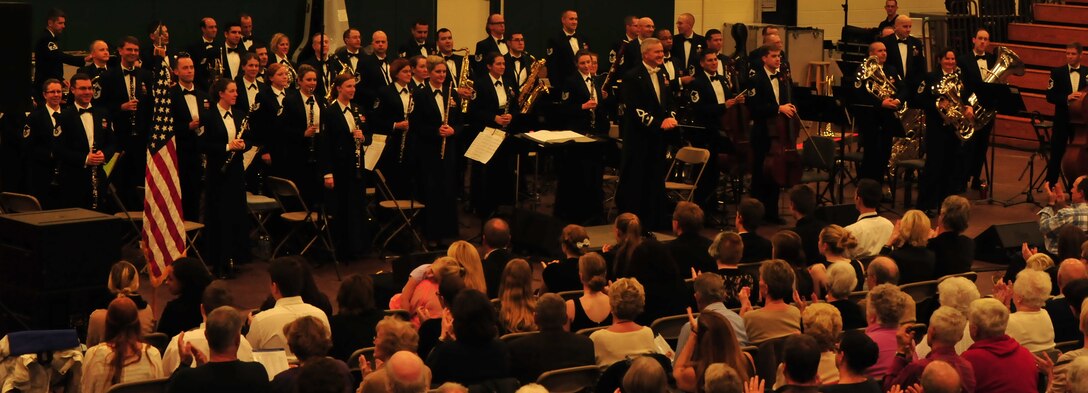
x=625, y=336
x=1065, y=378
x=957, y=293
x=841, y=280
x=1030, y=325
x=885, y=306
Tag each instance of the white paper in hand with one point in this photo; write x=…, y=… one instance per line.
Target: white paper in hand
x=374, y=151
x=273, y=360
x=485, y=145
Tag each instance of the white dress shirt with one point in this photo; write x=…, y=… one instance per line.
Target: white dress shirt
x=575, y=46
x=872, y=232
x=279, y=95
x=193, y=106
x=719, y=90
x=130, y=83
x=653, y=79
x=983, y=68
x=670, y=68
x=440, y=100
x=354, y=60
x=251, y=88
x=234, y=60
x=228, y=123
x=52, y=115
x=500, y=90
x=88, y=125
x=405, y=95
x=1074, y=79
x=903, y=50
x=171, y=359
x=266, y=331
x=349, y=117
x=775, y=85
x=587, y=80
x=519, y=71
x=501, y=43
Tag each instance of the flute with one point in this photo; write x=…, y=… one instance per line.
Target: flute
x=446, y=121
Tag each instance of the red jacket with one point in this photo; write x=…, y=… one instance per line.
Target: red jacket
x=1002, y=365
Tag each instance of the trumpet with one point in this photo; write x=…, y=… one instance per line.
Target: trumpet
x=241, y=133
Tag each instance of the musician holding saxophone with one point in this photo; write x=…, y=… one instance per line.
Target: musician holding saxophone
x=225, y=220
x=943, y=95
x=341, y=148
x=494, y=105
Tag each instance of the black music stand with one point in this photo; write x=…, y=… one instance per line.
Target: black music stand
x=825, y=109
x=1006, y=100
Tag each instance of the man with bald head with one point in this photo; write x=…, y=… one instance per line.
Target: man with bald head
x=646, y=28
x=100, y=58
x=1065, y=322
x=375, y=68
x=877, y=122
x=686, y=44
x=407, y=373
x=906, y=53
x=202, y=52
x=940, y=377
x=495, y=253
x=883, y=270
x=771, y=39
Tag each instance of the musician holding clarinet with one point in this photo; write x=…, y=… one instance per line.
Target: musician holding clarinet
x=225, y=220
x=394, y=105
x=83, y=149
x=295, y=130
x=341, y=148
x=435, y=118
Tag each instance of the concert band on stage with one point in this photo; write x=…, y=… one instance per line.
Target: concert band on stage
x=313, y=120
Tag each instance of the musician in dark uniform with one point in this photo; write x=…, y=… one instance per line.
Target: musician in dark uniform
x=519, y=62
x=187, y=105
x=280, y=48
x=390, y=118
x=494, y=106
x=49, y=59
x=437, y=181
x=159, y=45
x=687, y=46
x=295, y=119
x=83, y=149
x=578, y=196
x=710, y=94
x=444, y=46
x=1067, y=83
x=226, y=223
x=563, y=46
x=770, y=99
x=204, y=52
x=714, y=42
x=126, y=92
x=976, y=67
x=648, y=115
x=341, y=147
x=673, y=69
x=906, y=53
x=627, y=51
x=352, y=56
x=41, y=135
x=249, y=42
x=941, y=175
x=231, y=52
x=375, y=69
x=100, y=59
x=494, y=42
x=248, y=89
x=248, y=83
x=327, y=67
x=419, y=44
x=876, y=118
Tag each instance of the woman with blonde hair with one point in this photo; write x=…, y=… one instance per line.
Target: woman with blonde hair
x=835, y=243
x=907, y=247
x=465, y=253
x=516, y=299
x=562, y=275
x=593, y=308
x=628, y=236
x=420, y=293
x=124, y=281
x=823, y=322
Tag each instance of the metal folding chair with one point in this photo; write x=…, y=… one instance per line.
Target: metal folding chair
x=689, y=157
x=818, y=158
x=12, y=202
x=406, y=209
x=284, y=190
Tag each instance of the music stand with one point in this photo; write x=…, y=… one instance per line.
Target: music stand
x=1006, y=100
x=826, y=109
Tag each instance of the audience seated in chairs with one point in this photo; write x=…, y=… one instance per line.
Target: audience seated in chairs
x=1062, y=380
x=645, y=376
x=1064, y=322
x=1000, y=363
x=802, y=206
x=408, y=374
x=836, y=244
x=883, y=270
x=786, y=246
x=393, y=336
x=216, y=295
x=727, y=249
x=553, y=347
x=749, y=218
x=689, y=249
x=430, y=330
x=594, y=307
x=516, y=298
x=956, y=293
x=470, y=351
x=720, y=378
x=310, y=293
x=628, y=237
x=562, y=275
x=823, y=322
x=219, y=370
x=885, y=307
x=800, y=364
x=953, y=252
x=946, y=329
x=1030, y=324
x=494, y=249
x=714, y=341
x=323, y=375
x=122, y=357
x=776, y=318
x=841, y=280
x=666, y=293
x=856, y=353
x=625, y=336
x=266, y=330
x=871, y=230
x=354, y=326
x=309, y=339
x=186, y=281
x=907, y=247
x=124, y=280
x=465, y=253
x=709, y=291
x=421, y=290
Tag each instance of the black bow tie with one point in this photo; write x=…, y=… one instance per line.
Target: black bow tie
x=498, y=83
x=188, y=92
x=1079, y=70
x=902, y=41
x=438, y=92
x=226, y=115
x=236, y=49
x=310, y=101
x=420, y=86
x=775, y=75
x=589, y=79
x=56, y=116
x=355, y=55
x=569, y=36
x=83, y=110
x=980, y=57
x=252, y=86
x=347, y=109
x=447, y=58
x=404, y=90
x=131, y=72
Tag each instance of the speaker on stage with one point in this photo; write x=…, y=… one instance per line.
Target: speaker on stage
x=531, y=232
x=841, y=215
x=15, y=22
x=1001, y=243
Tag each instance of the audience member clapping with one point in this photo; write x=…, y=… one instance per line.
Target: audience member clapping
x=946, y=329
x=216, y=295
x=219, y=370
x=1000, y=363
x=776, y=318
x=709, y=291
x=1030, y=324
x=393, y=335
x=885, y=307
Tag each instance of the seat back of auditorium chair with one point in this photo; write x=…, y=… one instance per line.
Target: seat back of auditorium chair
x=920, y=291
x=587, y=331
x=612, y=377
x=669, y=327
x=570, y=380
x=767, y=359
x=353, y=360
x=157, y=340
x=970, y=276
x=148, y=386
x=570, y=295
x=511, y=337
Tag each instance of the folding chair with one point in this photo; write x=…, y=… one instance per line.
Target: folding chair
x=669, y=327
x=283, y=189
x=818, y=159
x=570, y=380
x=689, y=157
x=407, y=210
x=148, y=386
x=259, y=207
x=920, y=291
x=570, y=295
x=12, y=202
x=192, y=230
x=510, y=337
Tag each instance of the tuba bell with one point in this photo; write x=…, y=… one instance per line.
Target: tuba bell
x=950, y=106
x=871, y=76
x=1008, y=62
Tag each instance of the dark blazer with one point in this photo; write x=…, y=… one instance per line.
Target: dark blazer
x=704, y=103
x=190, y=169
x=202, y=54
x=345, y=57
x=289, y=146
x=426, y=118
x=335, y=143
x=525, y=62
x=561, y=56
x=372, y=79
x=493, y=267
x=214, y=145
x=691, y=250
x=39, y=159
x=689, y=59
x=953, y=252
x=411, y=48
x=72, y=150
x=1061, y=88
x=916, y=60
x=915, y=264
x=332, y=69
x=485, y=106
x=628, y=53
x=762, y=104
x=50, y=60
x=483, y=47
x=642, y=190
x=808, y=228
x=115, y=93
x=455, y=72
x=535, y=354
x=243, y=103
x=1061, y=316
x=756, y=248
x=576, y=93
x=222, y=54
x=969, y=66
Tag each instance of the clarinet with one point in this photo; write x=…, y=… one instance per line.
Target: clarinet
x=313, y=138
x=132, y=116
x=94, y=180
x=359, y=122
x=404, y=135
x=593, y=111
x=52, y=155
x=445, y=121
x=241, y=133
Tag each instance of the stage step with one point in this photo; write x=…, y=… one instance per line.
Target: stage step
x=1047, y=34
x=1077, y=2
x=1061, y=13
x=1036, y=56
x=1015, y=131
x=1032, y=79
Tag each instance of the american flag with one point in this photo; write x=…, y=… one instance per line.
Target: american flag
x=164, y=227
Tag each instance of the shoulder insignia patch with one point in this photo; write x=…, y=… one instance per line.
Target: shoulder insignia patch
x=612, y=56
x=1050, y=84
x=751, y=73
x=549, y=51
x=105, y=123
x=97, y=89
x=921, y=87
x=26, y=131
x=566, y=95
x=52, y=45
x=479, y=57
x=57, y=131
x=694, y=96
x=376, y=104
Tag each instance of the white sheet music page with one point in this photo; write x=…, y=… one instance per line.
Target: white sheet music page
x=485, y=145
x=545, y=136
x=374, y=151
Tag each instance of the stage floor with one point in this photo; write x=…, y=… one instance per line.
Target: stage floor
x=251, y=286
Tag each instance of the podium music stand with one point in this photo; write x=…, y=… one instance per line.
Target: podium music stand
x=825, y=109
x=1006, y=100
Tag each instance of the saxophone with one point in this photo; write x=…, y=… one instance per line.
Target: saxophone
x=463, y=80
x=530, y=82
x=950, y=106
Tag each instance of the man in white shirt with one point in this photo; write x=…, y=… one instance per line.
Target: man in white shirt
x=266, y=331
x=215, y=295
x=871, y=230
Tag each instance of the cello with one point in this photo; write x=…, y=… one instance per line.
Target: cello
x=734, y=124
x=783, y=162
x=1075, y=160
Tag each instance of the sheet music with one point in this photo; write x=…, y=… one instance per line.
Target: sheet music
x=273, y=360
x=110, y=163
x=247, y=157
x=374, y=151
x=545, y=136
x=485, y=145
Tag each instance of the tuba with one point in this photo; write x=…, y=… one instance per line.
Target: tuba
x=534, y=85
x=871, y=76
x=950, y=106
x=1007, y=62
